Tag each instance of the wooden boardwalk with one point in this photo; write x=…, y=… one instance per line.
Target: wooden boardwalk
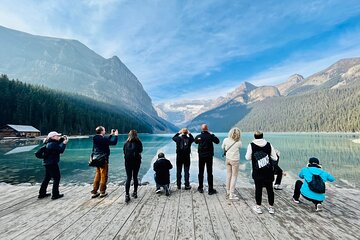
x=183, y=215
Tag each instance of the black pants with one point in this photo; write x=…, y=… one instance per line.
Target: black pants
x=297, y=193
x=180, y=161
x=132, y=171
x=279, y=172
x=51, y=171
x=259, y=184
x=208, y=161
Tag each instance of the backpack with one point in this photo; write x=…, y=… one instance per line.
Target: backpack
x=131, y=150
x=316, y=184
x=42, y=152
x=260, y=159
x=184, y=145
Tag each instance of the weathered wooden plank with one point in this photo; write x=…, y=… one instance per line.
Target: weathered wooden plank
x=124, y=216
x=219, y=220
x=156, y=217
x=267, y=220
x=330, y=225
x=15, y=223
x=60, y=227
x=88, y=216
x=26, y=203
x=202, y=220
x=169, y=218
x=16, y=193
x=132, y=225
x=147, y=221
x=25, y=195
x=47, y=219
x=183, y=215
x=185, y=224
x=236, y=221
x=100, y=222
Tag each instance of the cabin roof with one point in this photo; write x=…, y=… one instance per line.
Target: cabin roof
x=23, y=128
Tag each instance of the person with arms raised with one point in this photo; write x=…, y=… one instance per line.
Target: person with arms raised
x=55, y=145
x=183, y=140
x=101, y=145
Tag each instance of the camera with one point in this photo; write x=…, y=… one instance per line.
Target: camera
x=63, y=138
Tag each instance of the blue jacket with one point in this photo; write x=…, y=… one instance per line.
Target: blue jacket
x=307, y=173
x=53, y=150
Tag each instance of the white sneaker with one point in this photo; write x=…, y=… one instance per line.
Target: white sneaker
x=319, y=207
x=233, y=197
x=271, y=210
x=278, y=187
x=158, y=190
x=296, y=201
x=257, y=209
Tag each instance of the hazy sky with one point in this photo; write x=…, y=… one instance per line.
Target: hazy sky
x=200, y=49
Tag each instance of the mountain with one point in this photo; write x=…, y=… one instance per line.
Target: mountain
x=292, y=82
x=326, y=101
x=343, y=72
x=182, y=112
x=50, y=110
x=70, y=66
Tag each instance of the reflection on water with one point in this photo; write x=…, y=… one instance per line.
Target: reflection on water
x=337, y=153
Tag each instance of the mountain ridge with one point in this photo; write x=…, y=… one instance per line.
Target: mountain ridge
x=70, y=66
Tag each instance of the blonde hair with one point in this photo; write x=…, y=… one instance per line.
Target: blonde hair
x=235, y=134
x=132, y=136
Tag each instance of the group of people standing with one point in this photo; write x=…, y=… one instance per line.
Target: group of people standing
x=262, y=154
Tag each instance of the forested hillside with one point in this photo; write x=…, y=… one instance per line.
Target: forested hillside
x=50, y=110
x=330, y=110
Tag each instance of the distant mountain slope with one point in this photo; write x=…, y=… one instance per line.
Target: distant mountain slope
x=70, y=66
x=50, y=110
x=299, y=103
x=328, y=110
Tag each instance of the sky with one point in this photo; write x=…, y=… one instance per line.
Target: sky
x=200, y=49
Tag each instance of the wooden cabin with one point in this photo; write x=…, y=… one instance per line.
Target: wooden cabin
x=23, y=131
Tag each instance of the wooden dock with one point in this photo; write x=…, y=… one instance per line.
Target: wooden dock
x=183, y=215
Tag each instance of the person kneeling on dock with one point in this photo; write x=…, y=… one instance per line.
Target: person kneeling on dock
x=162, y=173
x=313, y=188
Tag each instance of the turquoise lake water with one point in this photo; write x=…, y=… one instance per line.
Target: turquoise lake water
x=337, y=153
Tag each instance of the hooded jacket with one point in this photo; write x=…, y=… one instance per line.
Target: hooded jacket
x=306, y=173
x=265, y=174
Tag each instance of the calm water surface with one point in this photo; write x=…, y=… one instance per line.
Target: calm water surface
x=337, y=153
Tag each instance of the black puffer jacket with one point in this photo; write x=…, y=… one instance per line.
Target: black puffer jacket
x=53, y=150
x=206, y=146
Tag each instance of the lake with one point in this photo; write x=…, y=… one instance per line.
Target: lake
x=337, y=153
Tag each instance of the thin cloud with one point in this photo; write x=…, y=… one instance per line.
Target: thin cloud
x=168, y=42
